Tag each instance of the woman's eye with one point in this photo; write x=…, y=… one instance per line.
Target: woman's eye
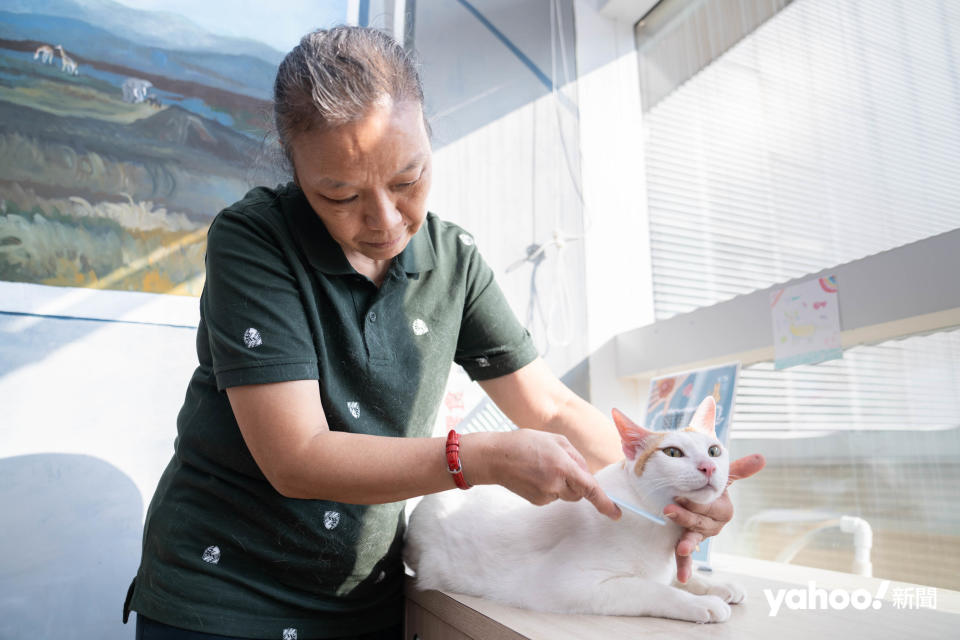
x=339, y=200
x=714, y=451
x=673, y=452
x=406, y=185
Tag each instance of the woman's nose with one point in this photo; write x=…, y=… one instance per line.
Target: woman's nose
x=382, y=213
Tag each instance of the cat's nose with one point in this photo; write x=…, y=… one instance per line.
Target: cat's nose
x=707, y=468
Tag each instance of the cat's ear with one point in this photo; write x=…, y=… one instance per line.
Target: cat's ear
x=705, y=418
x=631, y=434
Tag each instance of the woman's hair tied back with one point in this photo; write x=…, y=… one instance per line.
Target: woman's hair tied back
x=336, y=75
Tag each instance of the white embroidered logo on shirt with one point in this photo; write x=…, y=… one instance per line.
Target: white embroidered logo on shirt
x=252, y=338
x=331, y=519
x=354, y=409
x=420, y=327
x=211, y=555
x=290, y=634
x=466, y=239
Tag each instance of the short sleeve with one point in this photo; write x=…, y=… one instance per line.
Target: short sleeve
x=492, y=342
x=252, y=307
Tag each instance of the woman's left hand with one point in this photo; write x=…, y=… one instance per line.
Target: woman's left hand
x=704, y=520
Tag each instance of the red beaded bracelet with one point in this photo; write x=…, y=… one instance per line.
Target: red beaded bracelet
x=454, y=465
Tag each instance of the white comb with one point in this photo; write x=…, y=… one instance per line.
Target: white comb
x=637, y=510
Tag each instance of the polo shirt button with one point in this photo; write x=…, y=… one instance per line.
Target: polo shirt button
x=372, y=317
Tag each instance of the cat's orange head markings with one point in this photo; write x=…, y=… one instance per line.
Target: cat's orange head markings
x=650, y=446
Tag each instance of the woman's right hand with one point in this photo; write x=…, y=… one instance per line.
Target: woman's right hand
x=538, y=466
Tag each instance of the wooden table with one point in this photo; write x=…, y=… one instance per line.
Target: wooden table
x=434, y=615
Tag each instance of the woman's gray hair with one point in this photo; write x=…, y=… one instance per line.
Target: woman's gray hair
x=335, y=76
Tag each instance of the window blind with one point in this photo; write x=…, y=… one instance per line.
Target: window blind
x=911, y=384
x=829, y=133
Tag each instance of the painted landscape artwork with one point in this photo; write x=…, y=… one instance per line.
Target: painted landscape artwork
x=122, y=133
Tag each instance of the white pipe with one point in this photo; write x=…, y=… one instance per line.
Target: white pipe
x=798, y=543
x=862, y=542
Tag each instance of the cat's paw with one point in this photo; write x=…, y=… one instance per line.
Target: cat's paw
x=729, y=592
x=704, y=609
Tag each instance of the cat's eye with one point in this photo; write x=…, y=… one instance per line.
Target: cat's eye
x=714, y=451
x=673, y=452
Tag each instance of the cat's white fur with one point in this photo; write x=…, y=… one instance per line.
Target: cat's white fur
x=566, y=557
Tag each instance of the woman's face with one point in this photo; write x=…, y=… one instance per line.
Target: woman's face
x=368, y=181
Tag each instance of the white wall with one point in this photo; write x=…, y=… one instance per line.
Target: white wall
x=87, y=426
x=619, y=293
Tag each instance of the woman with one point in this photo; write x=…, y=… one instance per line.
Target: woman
x=332, y=310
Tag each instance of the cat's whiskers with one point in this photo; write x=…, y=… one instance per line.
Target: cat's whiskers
x=656, y=486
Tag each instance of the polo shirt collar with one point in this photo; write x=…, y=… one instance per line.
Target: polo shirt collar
x=325, y=255
x=418, y=255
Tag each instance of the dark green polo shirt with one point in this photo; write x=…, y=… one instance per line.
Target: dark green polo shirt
x=223, y=552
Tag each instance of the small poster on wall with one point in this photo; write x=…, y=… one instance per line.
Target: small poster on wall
x=806, y=323
x=674, y=399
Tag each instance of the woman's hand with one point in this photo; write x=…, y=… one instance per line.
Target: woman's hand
x=704, y=520
x=540, y=467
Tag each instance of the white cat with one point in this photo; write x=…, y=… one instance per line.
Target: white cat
x=566, y=557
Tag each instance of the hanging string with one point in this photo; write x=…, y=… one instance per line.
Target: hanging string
x=557, y=327
x=558, y=333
